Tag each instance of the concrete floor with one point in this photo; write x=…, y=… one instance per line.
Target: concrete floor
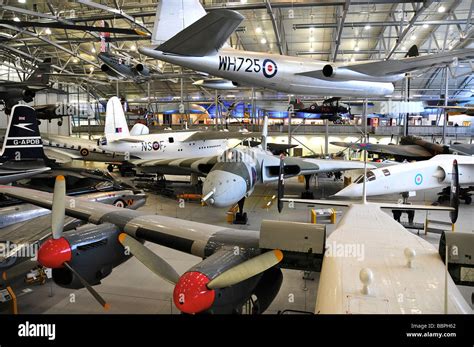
x=132, y=288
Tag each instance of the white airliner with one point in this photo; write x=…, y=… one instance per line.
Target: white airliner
x=411, y=177
x=197, y=41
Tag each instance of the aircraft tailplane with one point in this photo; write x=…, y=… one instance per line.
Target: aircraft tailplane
x=115, y=122
x=22, y=140
x=204, y=37
x=172, y=16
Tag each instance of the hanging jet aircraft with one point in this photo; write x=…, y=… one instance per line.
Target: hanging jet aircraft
x=410, y=148
x=412, y=177
x=237, y=264
x=198, y=42
x=12, y=92
x=395, y=271
x=22, y=151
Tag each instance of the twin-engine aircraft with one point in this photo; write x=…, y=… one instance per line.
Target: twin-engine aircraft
x=237, y=264
x=198, y=42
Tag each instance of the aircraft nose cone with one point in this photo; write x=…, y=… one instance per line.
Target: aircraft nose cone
x=228, y=188
x=54, y=252
x=191, y=294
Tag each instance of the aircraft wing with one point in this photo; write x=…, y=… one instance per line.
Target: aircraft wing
x=391, y=206
x=166, y=231
x=182, y=166
x=308, y=166
x=393, y=67
x=127, y=139
x=405, y=150
x=220, y=135
x=462, y=148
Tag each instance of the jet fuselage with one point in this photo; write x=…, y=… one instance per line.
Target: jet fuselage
x=276, y=72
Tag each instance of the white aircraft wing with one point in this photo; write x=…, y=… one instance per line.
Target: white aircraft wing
x=369, y=244
x=308, y=166
x=220, y=135
x=394, y=206
x=394, y=67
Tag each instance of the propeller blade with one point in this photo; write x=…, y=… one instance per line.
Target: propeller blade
x=157, y=265
x=454, y=196
x=58, y=210
x=281, y=184
x=247, y=269
x=91, y=290
x=18, y=270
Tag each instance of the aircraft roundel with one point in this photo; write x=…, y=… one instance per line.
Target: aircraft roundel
x=156, y=145
x=418, y=179
x=84, y=152
x=269, y=68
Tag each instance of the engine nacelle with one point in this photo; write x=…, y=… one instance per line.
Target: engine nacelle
x=345, y=74
x=192, y=296
x=142, y=70
x=95, y=252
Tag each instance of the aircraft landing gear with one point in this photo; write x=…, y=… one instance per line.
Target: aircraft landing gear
x=241, y=216
x=307, y=194
x=110, y=168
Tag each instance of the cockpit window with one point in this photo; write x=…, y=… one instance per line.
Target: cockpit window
x=359, y=179
x=386, y=172
x=370, y=177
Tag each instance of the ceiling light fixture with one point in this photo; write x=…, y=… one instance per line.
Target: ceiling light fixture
x=441, y=9
x=263, y=41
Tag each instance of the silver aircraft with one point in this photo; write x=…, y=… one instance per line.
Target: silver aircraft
x=198, y=42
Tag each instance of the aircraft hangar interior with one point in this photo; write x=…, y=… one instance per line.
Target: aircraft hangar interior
x=236, y=157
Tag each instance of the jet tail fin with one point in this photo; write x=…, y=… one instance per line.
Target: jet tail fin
x=412, y=52
x=204, y=37
x=115, y=122
x=22, y=139
x=41, y=75
x=172, y=16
